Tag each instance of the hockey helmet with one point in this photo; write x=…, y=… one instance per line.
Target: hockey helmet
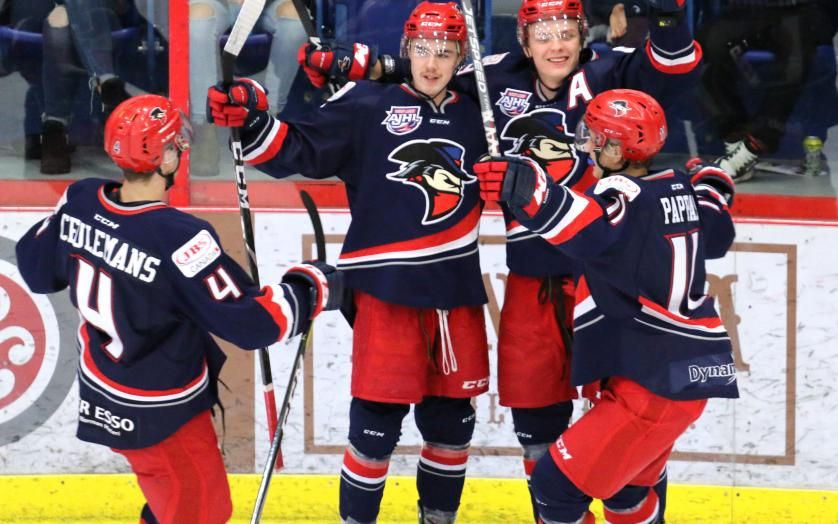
x=140, y=129
x=534, y=11
x=436, y=22
x=626, y=119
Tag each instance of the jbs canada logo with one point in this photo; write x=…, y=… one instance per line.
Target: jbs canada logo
x=36, y=352
x=513, y=102
x=402, y=120
x=196, y=254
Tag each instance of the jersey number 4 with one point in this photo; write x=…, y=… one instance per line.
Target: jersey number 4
x=88, y=281
x=684, y=248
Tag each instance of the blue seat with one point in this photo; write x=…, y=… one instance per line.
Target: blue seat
x=254, y=55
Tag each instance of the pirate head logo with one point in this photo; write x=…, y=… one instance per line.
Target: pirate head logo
x=513, y=102
x=436, y=168
x=620, y=107
x=157, y=114
x=542, y=136
x=401, y=120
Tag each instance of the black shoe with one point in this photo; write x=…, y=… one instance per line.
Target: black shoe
x=32, y=147
x=55, y=149
x=112, y=93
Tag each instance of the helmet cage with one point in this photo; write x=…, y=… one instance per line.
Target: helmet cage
x=435, y=23
x=535, y=11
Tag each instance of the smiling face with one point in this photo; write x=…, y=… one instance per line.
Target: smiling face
x=432, y=64
x=554, y=46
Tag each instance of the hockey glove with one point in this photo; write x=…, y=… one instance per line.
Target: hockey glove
x=710, y=174
x=521, y=183
x=325, y=282
x=331, y=61
x=239, y=105
x=666, y=13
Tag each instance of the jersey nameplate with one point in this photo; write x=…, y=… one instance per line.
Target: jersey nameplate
x=196, y=254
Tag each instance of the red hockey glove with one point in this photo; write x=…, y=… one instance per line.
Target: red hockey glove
x=521, y=183
x=325, y=281
x=710, y=174
x=237, y=105
x=336, y=62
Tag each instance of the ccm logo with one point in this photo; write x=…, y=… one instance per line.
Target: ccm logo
x=373, y=433
x=476, y=384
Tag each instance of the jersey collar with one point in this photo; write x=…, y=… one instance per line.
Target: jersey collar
x=108, y=200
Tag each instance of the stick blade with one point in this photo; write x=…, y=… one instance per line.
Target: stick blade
x=249, y=14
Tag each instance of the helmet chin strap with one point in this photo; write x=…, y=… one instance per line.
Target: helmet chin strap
x=606, y=172
x=170, y=178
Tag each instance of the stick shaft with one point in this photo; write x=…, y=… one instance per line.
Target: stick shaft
x=480, y=78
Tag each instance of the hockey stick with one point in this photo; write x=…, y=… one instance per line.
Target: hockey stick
x=480, y=77
x=308, y=26
x=274, y=453
x=250, y=12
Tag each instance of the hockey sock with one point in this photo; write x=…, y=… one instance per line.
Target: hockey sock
x=536, y=429
x=374, y=431
x=446, y=425
x=660, y=491
x=440, y=476
x=362, y=482
x=644, y=512
x=146, y=516
x=557, y=498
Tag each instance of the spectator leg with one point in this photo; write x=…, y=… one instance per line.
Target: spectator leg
x=288, y=34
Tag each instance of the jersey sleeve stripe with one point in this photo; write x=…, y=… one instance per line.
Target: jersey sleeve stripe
x=581, y=211
x=274, y=301
x=267, y=145
x=675, y=63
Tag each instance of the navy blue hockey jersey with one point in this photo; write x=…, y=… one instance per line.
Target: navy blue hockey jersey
x=532, y=125
x=641, y=310
x=407, y=166
x=150, y=284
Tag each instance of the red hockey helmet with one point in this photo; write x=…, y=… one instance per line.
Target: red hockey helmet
x=630, y=119
x=139, y=130
x=533, y=11
x=432, y=21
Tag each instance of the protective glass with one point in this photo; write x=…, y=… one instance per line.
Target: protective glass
x=563, y=30
x=183, y=140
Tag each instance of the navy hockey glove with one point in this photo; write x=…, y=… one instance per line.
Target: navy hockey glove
x=332, y=61
x=519, y=182
x=325, y=282
x=238, y=105
x=712, y=175
x=666, y=13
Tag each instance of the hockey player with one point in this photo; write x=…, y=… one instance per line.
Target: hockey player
x=539, y=94
x=643, y=327
x=151, y=284
x=405, y=154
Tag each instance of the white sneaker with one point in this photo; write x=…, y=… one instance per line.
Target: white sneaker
x=739, y=162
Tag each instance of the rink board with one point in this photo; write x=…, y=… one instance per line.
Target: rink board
x=776, y=290
x=313, y=498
